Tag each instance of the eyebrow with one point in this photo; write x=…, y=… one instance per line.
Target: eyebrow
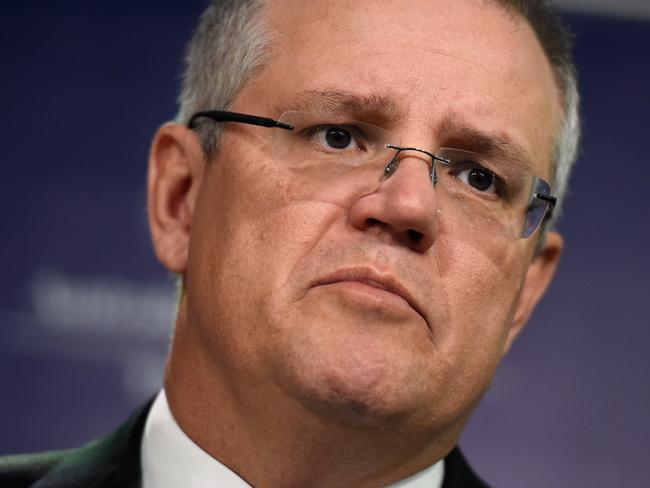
x=338, y=102
x=463, y=136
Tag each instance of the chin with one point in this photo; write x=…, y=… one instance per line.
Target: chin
x=354, y=405
x=355, y=386
x=345, y=364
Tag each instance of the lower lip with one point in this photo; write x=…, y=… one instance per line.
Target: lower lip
x=376, y=296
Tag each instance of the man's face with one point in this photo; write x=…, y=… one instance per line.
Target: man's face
x=287, y=276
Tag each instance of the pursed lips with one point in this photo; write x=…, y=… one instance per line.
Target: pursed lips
x=369, y=277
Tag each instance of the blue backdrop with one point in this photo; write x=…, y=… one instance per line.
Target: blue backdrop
x=85, y=310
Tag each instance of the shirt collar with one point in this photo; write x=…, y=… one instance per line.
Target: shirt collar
x=171, y=459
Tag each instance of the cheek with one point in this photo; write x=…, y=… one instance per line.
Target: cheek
x=253, y=225
x=274, y=219
x=481, y=280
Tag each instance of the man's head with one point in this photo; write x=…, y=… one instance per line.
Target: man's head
x=353, y=303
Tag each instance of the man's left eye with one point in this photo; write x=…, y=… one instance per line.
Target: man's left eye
x=478, y=178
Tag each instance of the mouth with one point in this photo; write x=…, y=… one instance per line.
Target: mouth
x=383, y=286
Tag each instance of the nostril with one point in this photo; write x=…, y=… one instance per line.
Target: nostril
x=407, y=222
x=414, y=236
x=372, y=222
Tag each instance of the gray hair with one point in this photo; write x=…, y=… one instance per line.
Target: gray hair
x=231, y=43
x=556, y=41
x=228, y=46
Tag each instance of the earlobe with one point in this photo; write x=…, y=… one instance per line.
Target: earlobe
x=538, y=277
x=174, y=177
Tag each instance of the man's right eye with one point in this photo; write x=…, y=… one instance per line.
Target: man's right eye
x=335, y=137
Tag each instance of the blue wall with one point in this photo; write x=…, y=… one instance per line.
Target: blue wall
x=85, y=310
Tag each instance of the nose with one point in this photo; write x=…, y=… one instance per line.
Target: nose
x=403, y=205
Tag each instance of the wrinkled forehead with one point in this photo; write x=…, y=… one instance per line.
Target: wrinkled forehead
x=430, y=62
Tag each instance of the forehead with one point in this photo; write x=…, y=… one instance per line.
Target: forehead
x=431, y=63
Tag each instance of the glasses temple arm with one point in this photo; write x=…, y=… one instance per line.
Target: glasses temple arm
x=551, y=200
x=224, y=116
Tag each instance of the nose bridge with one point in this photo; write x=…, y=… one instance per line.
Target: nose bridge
x=408, y=188
x=403, y=203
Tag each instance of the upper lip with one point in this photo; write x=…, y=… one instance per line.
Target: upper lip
x=371, y=277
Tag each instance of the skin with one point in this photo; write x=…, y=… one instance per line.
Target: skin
x=290, y=382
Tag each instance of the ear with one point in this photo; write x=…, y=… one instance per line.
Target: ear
x=538, y=277
x=174, y=177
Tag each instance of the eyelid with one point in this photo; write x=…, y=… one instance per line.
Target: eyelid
x=358, y=134
x=496, y=184
x=317, y=131
x=475, y=159
x=472, y=160
x=458, y=156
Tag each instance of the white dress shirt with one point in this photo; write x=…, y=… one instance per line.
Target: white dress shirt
x=170, y=459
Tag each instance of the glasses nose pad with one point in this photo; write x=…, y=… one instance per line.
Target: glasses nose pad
x=391, y=167
x=393, y=164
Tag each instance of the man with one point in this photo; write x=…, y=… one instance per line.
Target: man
x=357, y=200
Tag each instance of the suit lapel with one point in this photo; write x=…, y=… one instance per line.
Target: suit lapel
x=112, y=461
x=458, y=473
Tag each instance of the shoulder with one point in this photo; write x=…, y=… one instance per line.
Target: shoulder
x=24, y=469
x=110, y=461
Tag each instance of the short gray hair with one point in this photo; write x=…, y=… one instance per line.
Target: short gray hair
x=557, y=43
x=231, y=43
x=228, y=46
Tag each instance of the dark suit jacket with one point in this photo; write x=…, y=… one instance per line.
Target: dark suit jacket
x=114, y=462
